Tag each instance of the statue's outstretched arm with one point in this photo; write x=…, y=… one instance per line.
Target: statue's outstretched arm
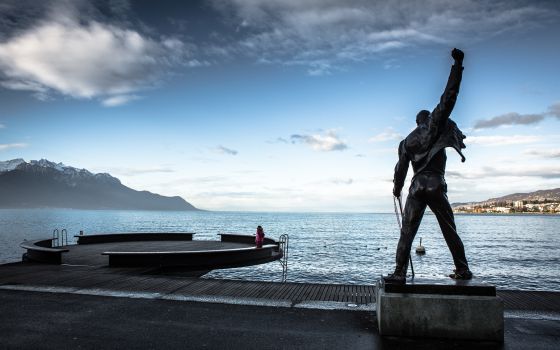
x=447, y=101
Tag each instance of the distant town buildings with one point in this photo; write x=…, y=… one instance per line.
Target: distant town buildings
x=545, y=206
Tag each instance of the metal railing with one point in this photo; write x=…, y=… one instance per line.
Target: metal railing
x=59, y=238
x=284, y=247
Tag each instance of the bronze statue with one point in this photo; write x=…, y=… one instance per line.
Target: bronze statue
x=425, y=147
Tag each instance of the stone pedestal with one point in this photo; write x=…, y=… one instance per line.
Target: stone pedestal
x=440, y=309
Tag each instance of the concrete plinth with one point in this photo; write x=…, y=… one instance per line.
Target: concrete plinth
x=440, y=311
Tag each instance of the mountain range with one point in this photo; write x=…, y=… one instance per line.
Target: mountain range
x=45, y=184
x=536, y=196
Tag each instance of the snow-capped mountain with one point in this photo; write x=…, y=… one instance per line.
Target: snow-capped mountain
x=43, y=163
x=66, y=173
x=42, y=183
x=10, y=164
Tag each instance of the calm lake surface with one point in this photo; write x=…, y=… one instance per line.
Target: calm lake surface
x=510, y=251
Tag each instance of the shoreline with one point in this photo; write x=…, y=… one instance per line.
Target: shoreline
x=506, y=214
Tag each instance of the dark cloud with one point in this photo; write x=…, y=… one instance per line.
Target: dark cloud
x=544, y=153
x=323, y=34
x=510, y=119
x=20, y=15
x=514, y=118
x=228, y=151
x=278, y=140
x=554, y=110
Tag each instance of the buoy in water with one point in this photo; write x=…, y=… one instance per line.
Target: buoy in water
x=420, y=250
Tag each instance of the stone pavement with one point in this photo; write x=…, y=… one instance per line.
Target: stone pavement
x=49, y=320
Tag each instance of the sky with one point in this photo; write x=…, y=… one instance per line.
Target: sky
x=269, y=105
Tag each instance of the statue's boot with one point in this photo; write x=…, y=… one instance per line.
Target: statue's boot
x=461, y=275
x=395, y=278
x=399, y=276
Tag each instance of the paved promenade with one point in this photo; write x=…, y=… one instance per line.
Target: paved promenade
x=62, y=306
x=33, y=320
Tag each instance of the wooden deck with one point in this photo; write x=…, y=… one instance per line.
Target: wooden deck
x=146, y=280
x=163, y=250
x=91, y=254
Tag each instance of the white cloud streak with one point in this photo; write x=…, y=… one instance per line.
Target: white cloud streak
x=326, y=143
x=348, y=181
x=388, y=135
x=139, y=171
x=119, y=100
x=499, y=140
x=7, y=146
x=540, y=171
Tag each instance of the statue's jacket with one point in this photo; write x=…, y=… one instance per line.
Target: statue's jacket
x=426, y=144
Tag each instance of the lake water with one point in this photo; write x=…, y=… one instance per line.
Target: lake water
x=510, y=251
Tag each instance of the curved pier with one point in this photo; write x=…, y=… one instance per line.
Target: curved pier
x=158, y=250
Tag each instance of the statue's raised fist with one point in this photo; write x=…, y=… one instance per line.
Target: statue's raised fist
x=457, y=55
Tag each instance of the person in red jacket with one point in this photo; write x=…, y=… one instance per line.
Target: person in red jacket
x=259, y=237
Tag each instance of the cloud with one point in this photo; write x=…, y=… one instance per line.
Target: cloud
x=514, y=118
x=545, y=153
x=530, y=171
x=510, y=119
x=119, y=100
x=85, y=58
x=388, y=135
x=547, y=172
x=348, y=181
x=2, y=126
x=554, y=110
x=323, y=34
x=225, y=150
x=328, y=142
x=496, y=140
x=278, y=140
x=7, y=146
x=231, y=194
x=139, y=171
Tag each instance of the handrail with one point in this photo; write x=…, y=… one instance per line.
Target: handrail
x=55, y=237
x=64, y=236
x=283, y=244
